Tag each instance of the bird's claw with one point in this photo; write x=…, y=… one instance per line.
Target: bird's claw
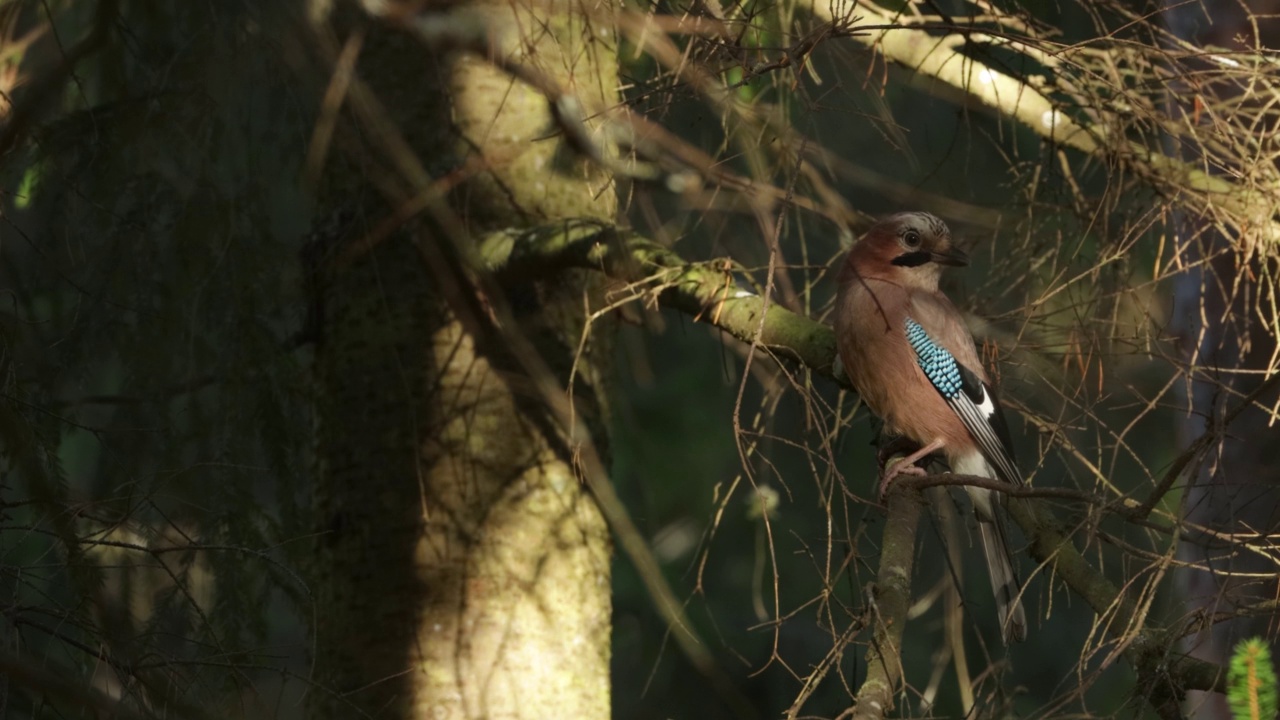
x=891, y=447
x=901, y=467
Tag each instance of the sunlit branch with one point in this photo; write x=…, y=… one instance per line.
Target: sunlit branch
x=939, y=61
x=45, y=88
x=710, y=293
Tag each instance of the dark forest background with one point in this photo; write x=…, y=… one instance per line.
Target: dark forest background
x=174, y=174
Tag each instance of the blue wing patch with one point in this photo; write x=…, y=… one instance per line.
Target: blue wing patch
x=969, y=400
x=938, y=364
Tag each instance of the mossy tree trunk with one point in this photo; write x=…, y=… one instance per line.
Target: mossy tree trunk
x=461, y=569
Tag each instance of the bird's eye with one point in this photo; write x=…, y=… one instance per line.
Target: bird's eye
x=911, y=239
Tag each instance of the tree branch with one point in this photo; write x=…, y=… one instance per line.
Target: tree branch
x=44, y=89
x=938, y=58
x=892, y=598
x=708, y=292
x=1165, y=673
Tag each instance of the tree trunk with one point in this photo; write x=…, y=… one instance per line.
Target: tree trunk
x=461, y=569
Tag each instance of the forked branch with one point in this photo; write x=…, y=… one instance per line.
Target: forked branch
x=710, y=293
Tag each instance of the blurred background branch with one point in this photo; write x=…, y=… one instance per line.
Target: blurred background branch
x=549, y=248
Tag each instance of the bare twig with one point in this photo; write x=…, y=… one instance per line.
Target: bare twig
x=44, y=88
x=941, y=59
x=695, y=287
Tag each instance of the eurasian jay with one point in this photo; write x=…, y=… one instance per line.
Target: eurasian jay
x=907, y=351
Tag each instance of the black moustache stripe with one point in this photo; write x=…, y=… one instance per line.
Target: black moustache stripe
x=912, y=259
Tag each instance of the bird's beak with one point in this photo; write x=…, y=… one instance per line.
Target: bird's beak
x=954, y=257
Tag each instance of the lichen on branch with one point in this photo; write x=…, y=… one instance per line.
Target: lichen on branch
x=709, y=292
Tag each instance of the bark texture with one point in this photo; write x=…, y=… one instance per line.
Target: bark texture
x=461, y=569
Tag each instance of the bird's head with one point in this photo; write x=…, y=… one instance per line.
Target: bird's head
x=909, y=248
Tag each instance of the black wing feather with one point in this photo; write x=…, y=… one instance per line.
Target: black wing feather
x=974, y=388
x=971, y=400
x=980, y=411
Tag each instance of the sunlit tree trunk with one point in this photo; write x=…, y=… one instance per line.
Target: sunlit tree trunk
x=461, y=569
x=1228, y=341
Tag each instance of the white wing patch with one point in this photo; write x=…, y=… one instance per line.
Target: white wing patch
x=977, y=419
x=988, y=406
x=958, y=386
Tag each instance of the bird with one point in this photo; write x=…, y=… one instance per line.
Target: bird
x=909, y=355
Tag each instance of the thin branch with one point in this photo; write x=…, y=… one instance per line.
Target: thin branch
x=939, y=59
x=45, y=88
x=708, y=292
x=31, y=675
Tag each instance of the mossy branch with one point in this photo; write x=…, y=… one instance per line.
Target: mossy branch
x=1165, y=674
x=708, y=292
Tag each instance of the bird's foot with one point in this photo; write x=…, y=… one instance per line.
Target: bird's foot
x=891, y=448
x=905, y=466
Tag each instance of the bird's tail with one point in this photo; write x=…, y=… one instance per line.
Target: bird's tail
x=1004, y=579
